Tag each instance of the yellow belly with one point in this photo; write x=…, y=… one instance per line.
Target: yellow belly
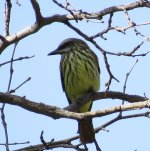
x=80, y=83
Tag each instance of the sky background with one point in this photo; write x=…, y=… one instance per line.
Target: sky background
x=45, y=84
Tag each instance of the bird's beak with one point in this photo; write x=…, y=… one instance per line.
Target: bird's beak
x=55, y=52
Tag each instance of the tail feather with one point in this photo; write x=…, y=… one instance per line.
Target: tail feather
x=86, y=131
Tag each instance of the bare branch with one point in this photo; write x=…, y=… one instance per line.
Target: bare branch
x=61, y=143
x=127, y=76
x=56, y=112
x=37, y=11
x=104, y=95
x=11, y=66
x=111, y=76
x=7, y=12
x=70, y=11
x=5, y=127
x=120, y=117
x=5, y=41
x=133, y=25
x=17, y=59
x=16, y=143
x=118, y=29
x=13, y=90
x=132, y=52
x=3, y=106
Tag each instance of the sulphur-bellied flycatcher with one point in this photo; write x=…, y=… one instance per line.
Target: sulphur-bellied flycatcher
x=80, y=74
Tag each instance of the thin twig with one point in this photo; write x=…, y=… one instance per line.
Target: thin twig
x=13, y=90
x=111, y=76
x=70, y=11
x=123, y=29
x=7, y=12
x=43, y=141
x=133, y=25
x=5, y=127
x=110, y=19
x=11, y=67
x=18, y=3
x=17, y=59
x=16, y=143
x=127, y=76
x=121, y=117
x=97, y=146
x=125, y=83
x=118, y=29
x=3, y=106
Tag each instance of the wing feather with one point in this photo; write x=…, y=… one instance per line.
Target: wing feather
x=62, y=81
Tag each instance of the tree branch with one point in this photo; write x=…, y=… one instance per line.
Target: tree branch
x=56, y=112
x=37, y=11
x=17, y=59
x=5, y=41
x=53, y=144
x=7, y=12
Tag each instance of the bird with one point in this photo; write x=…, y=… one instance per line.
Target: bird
x=80, y=75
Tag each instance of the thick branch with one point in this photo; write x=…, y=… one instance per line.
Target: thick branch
x=56, y=112
x=37, y=11
x=5, y=41
x=105, y=95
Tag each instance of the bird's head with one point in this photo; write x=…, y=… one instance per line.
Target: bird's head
x=68, y=45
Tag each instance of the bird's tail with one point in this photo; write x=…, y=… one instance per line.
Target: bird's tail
x=86, y=131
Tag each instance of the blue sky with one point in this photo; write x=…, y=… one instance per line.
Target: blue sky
x=45, y=85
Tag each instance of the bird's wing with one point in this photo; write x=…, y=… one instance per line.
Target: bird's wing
x=62, y=82
x=97, y=63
